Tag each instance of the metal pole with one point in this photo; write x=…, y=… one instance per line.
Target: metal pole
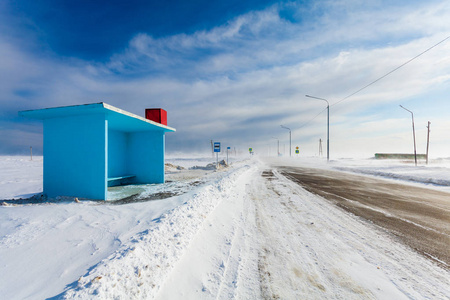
x=414, y=134
x=414, y=137
x=320, y=148
x=328, y=133
x=31, y=152
x=428, y=139
x=290, y=144
x=227, y=155
x=290, y=140
x=328, y=124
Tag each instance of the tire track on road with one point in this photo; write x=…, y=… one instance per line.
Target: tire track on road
x=416, y=216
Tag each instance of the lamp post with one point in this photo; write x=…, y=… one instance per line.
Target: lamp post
x=328, y=124
x=414, y=134
x=290, y=145
x=428, y=139
x=278, y=153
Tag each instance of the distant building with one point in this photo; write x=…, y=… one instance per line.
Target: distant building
x=90, y=147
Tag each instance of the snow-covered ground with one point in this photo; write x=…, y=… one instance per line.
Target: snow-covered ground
x=230, y=233
x=20, y=177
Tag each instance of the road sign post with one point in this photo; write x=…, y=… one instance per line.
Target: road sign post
x=217, y=150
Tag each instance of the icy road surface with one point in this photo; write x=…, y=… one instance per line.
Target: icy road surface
x=246, y=232
x=419, y=217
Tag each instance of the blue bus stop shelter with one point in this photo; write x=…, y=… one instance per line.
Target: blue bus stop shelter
x=90, y=147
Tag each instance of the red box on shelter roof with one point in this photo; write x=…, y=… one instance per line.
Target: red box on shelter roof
x=158, y=115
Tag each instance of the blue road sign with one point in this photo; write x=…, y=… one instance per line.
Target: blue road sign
x=216, y=146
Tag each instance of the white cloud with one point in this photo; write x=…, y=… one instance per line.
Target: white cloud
x=241, y=80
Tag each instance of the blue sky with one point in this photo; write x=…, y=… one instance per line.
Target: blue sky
x=234, y=71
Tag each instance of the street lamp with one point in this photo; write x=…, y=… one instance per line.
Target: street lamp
x=290, y=146
x=328, y=124
x=278, y=153
x=414, y=134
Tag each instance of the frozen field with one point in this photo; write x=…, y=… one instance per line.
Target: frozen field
x=242, y=232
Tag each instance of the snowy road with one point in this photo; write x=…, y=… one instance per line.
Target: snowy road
x=271, y=239
x=311, y=249
x=419, y=217
x=245, y=232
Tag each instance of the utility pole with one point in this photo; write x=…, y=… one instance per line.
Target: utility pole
x=320, y=148
x=428, y=139
x=328, y=124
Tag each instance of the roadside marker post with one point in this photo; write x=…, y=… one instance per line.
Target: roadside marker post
x=228, y=148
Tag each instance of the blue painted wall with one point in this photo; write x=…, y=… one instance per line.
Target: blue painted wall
x=146, y=159
x=75, y=156
x=117, y=153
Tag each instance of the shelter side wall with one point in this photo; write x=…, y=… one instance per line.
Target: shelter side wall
x=75, y=156
x=146, y=156
x=117, y=153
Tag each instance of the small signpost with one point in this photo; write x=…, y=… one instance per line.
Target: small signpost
x=217, y=150
x=250, y=150
x=296, y=150
x=216, y=146
x=228, y=148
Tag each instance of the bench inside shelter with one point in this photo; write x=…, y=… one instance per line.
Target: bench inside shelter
x=120, y=180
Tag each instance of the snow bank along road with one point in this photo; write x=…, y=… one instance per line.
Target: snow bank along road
x=419, y=217
x=247, y=233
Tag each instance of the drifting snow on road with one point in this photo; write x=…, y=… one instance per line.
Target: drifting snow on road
x=418, y=216
x=255, y=234
x=246, y=232
x=150, y=261
x=312, y=249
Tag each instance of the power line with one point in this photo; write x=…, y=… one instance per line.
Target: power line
x=312, y=119
x=392, y=71
x=378, y=79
